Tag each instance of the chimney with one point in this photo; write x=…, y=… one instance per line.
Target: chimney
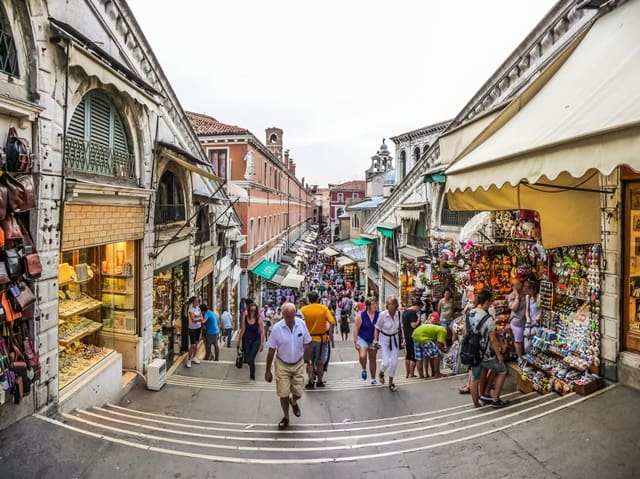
x=292, y=167
x=286, y=158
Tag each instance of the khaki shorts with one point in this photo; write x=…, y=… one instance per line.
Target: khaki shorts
x=289, y=379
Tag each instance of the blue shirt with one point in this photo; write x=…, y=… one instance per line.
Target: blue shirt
x=226, y=320
x=212, y=322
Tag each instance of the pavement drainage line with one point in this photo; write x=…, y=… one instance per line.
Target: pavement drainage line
x=270, y=425
x=323, y=439
x=308, y=460
x=314, y=460
x=393, y=422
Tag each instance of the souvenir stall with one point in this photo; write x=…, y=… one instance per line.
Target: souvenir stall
x=169, y=304
x=562, y=350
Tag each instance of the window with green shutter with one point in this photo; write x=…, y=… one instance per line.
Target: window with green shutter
x=96, y=140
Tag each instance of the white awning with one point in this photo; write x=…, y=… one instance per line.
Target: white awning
x=344, y=261
x=329, y=252
x=235, y=191
x=545, y=151
x=586, y=116
x=292, y=280
x=407, y=214
x=456, y=141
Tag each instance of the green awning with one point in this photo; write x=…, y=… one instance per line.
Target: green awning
x=434, y=178
x=266, y=269
x=387, y=232
x=362, y=241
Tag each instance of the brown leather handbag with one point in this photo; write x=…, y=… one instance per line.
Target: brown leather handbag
x=4, y=198
x=11, y=228
x=30, y=258
x=20, y=296
x=9, y=312
x=21, y=192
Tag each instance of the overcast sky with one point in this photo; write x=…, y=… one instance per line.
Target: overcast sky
x=336, y=76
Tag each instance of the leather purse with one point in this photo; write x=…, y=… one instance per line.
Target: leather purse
x=21, y=296
x=10, y=313
x=30, y=258
x=21, y=192
x=19, y=156
x=13, y=262
x=11, y=228
x=4, y=275
x=4, y=199
x=240, y=358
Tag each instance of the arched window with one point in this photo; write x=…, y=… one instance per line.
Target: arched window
x=416, y=155
x=169, y=200
x=425, y=148
x=96, y=140
x=203, y=233
x=8, y=55
x=403, y=164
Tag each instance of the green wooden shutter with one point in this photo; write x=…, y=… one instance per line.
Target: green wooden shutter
x=119, y=135
x=99, y=120
x=77, y=124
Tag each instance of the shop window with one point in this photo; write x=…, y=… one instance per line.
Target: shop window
x=170, y=296
x=96, y=140
x=218, y=159
x=8, y=54
x=454, y=218
x=98, y=308
x=631, y=322
x=203, y=233
x=170, y=205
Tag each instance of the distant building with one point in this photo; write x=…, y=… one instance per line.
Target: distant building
x=342, y=195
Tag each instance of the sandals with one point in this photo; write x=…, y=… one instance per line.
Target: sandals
x=392, y=387
x=295, y=408
x=283, y=423
x=381, y=376
x=464, y=389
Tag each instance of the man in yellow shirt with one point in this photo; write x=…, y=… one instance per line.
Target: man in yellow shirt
x=317, y=316
x=430, y=341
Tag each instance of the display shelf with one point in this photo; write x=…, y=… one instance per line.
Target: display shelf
x=113, y=291
x=76, y=365
x=70, y=307
x=124, y=276
x=94, y=328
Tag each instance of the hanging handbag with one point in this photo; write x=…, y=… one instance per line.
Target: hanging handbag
x=4, y=275
x=30, y=352
x=239, y=358
x=30, y=258
x=21, y=192
x=10, y=313
x=4, y=199
x=11, y=228
x=20, y=296
x=19, y=157
x=13, y=262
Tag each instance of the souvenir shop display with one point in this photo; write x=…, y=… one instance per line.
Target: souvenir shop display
x=20, y=265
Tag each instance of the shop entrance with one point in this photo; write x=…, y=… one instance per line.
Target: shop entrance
x=631, y=314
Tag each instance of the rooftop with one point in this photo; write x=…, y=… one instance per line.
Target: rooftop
x=354, y=185
x=207, y=125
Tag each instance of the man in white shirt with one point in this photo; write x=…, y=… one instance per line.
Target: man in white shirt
x=290, y=343
x=227, y=325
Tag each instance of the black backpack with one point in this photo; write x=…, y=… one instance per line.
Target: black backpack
x=471, y=350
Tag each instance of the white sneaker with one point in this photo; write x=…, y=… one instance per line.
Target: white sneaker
x=252, y=381
x=196, y=360
x=188, y=364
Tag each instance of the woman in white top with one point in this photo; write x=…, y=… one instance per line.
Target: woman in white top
x=388, y=338
x=195, y=330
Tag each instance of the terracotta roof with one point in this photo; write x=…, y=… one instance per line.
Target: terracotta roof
x=355, y=185
x=207, y=126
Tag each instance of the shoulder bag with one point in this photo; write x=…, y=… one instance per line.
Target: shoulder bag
x=30, y=258
x=19, y=157
x=20, y=296
x=21, y=192
x=11, y=228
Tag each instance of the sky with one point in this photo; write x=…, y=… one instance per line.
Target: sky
x=336, y=76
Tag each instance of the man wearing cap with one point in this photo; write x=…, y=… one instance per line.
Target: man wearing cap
x=430, y=341
x=410, y=321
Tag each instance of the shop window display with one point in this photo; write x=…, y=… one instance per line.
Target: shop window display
x=631, y=322
x=169, y=297
x=97, y=306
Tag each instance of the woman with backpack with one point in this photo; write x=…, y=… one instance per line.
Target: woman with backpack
x=363, y=336
x=389, y=337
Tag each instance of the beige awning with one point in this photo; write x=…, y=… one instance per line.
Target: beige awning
x=344, y=261
x=236, y=191
x=292, y=280
x=455, y=142
x=329, y=252
x=583, y=120
x=408, y=214
x=203, y=269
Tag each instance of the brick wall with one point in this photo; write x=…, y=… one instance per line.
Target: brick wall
x=89, y=225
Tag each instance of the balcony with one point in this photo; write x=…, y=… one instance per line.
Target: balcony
x=169, y=214
x=90, y=157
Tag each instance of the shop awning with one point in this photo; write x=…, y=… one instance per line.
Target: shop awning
x=266, y=269
x=292, y=280
x=409, y=213
x=583, y=121
x=236, y=191
x=329, y=252
x=344, y=261
x=362, y=241
x=386, y=232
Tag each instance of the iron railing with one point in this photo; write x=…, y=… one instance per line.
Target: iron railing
x=170, y=213
x=91, y=157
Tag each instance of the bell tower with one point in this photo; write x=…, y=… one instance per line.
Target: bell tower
x=274, y=141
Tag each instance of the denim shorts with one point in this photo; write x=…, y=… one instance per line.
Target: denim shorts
x=364, y=344
x=319, y=352
x=490, y=364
